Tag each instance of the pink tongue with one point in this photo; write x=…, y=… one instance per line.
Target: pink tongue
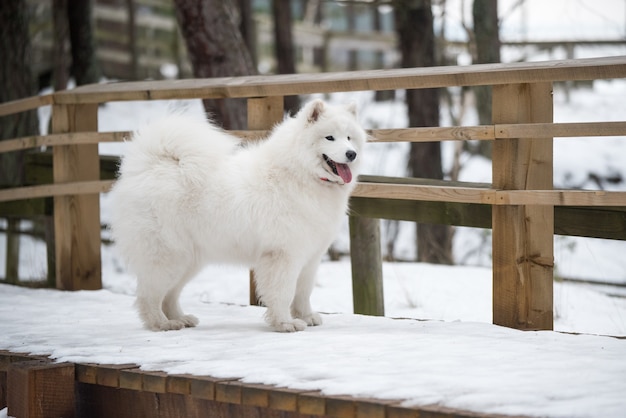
x=344, y=172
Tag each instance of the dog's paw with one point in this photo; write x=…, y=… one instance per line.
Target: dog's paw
x=291, y=326
x=169, y=325
x=185, y=321
x=312, y=319
x=190, y=320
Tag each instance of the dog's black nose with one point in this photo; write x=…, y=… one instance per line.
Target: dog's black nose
x=350, y=155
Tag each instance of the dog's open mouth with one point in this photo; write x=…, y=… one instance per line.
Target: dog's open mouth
x=339, y=169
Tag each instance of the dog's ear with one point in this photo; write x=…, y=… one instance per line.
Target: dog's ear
x=314, y=110
x=351, y=107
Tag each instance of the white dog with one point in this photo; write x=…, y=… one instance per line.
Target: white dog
x=190, y=194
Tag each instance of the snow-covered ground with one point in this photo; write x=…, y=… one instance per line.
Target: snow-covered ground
x=468, y=364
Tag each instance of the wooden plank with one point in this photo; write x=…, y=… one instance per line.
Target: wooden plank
x=341, y=406
x=87, y=373
x=95, y=401
x=591, y=222
x=154, y=381
x=599, y=222
x=40, y=389
x=399, y=411
x=404, y=78
x=263, y=114
x=523, y=259
x=204, y=387
x=425, y=192
x=371, y=409
x=442, y=213
x=6, y=358
x=25, y=208
x=77, y=217
x=63, y=189
x=75, y=138
x=312, y=403
x=39, y=167
x=255, y=395
x=131, y=379
x=560, y=198
x=456, y=133
x=109, y=374
x=22, y=105
x=72, y=138
x=365, y=178
x=180, y=384
x=367, y=270
x=432, y=134
x=137, y=379
x=284, y=399
x=228, y=392
x=549, y=130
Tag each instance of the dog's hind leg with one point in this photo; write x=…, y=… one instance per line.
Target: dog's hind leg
x=301, y=305
x=171, y=304
x=153, y=286
x=275, y=277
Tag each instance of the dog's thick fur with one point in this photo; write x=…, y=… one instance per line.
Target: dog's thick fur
x=190, y=194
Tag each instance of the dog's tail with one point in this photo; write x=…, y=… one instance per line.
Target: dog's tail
x=178, y=139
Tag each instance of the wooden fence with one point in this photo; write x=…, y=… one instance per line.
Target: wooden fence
x=521, y=201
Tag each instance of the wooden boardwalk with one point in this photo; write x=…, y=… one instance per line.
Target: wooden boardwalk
x=34, y=386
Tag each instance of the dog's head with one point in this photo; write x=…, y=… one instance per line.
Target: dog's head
x=336, y=137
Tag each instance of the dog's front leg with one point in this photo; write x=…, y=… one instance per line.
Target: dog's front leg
x=276, y=276
x=301, y=305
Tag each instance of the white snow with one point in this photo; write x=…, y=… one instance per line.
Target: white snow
x=466, y=364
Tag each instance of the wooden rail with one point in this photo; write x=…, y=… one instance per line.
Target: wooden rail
x=520, y=202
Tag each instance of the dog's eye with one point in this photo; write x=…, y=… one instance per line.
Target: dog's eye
x=348, y=138
x=330, y=138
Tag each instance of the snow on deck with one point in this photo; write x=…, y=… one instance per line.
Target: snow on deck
x=467, y=365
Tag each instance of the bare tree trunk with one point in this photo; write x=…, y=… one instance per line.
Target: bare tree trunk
x=313, y=14
x=16, y=82
x=380, y=95
x=414, y=25
x=247, y=28
x=61, y=56
x=284, y=48
x=353, y=54
x=485, y=14
x=85, y=68
x=131, y=9
x=216, y=49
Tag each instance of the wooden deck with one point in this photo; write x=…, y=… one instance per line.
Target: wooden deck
x=35, y=386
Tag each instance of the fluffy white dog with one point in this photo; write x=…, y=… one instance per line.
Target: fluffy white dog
x=190, y=194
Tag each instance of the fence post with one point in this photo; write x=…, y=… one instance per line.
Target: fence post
x=76, y=217
x=523, y=253
x=263, y=113
x=40, y=389
x=366, y=260
x=12, y=269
